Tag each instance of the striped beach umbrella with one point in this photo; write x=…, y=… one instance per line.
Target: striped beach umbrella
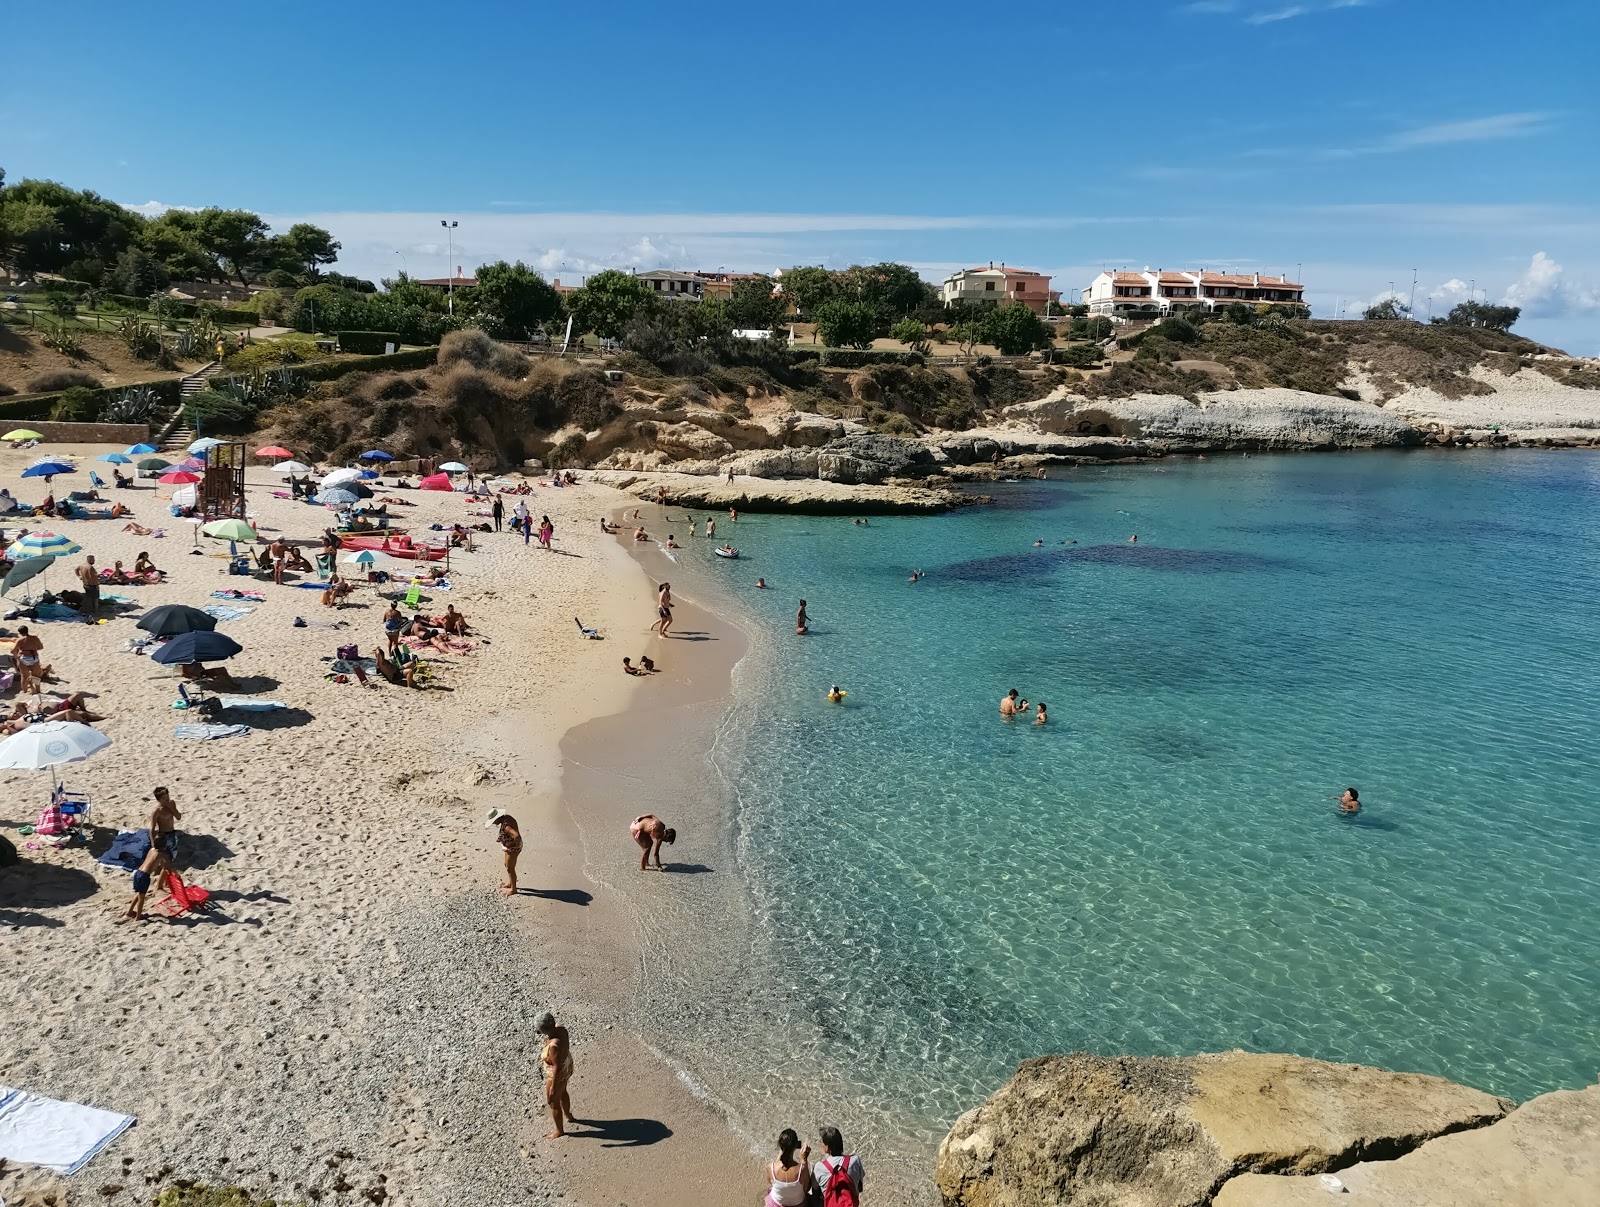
x=192, y=464
x=204, y=444
x=44, y=544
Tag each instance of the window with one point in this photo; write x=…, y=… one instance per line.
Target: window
x=989, y=286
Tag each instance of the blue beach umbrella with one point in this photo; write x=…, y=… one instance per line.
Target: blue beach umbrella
x=368, y=475
x=139, y=450
x=373, y=454
x=47, y=469
x=336, y=497
x=197, y=646
x=115, y=458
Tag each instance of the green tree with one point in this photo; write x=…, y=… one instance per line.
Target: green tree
x=62, y=304
x=403, y=290
x=1387, y=310
x=174, y=240
x=511, y=301
x=236, y=239
x=1481, y=314
x=607, y=301
x=1016, y=330
x=911, y=333
x=308, y=248
x=753, y=306
x=138, y=274
x=45, y=226
x=809, y=287
x=848, y=324
x=895, y=288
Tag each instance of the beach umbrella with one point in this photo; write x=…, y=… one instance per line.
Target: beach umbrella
x=169, y=620
x=154, y=463
x=273, y=450
x=374, y=454
x=22, y=433
x=48, y=469
x=336, y=497
x=436, y=482
x=186, y=496
x=455, y=467
x=292, y=467
x=192, y=464
x=179, y=477
x=205, y=444
x=340, y=476
x=22, y=571
x=44, y=544
x=198, y=645
x=368, y=475
x=49, y=744
x=230, y=530
x=138, y=450
x=115, y=458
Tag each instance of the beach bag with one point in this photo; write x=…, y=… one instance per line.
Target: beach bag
x=840, y=1190
x=348, y=652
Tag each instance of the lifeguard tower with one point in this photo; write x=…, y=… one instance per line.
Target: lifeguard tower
x=222, y=484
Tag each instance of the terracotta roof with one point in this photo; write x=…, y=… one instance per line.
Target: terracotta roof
x=443, y=282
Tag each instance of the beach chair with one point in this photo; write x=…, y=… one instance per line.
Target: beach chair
x=324, y=566
x=94, y=480
x=591, y=634
x=413, y=599
x=182, y=898
x=74, y=807
x=405, y=656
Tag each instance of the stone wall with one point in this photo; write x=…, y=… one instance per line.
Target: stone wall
x=89, y=433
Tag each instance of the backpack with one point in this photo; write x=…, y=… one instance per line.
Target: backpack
x=840, y=1190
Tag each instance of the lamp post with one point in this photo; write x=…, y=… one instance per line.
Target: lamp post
x=450, y=268
x=1412, y=309
x=404, y=267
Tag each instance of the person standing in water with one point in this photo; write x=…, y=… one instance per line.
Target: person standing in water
x=556, y=1058
x=711, y=529
x=1350, y=802
x=801, y=620
x=1038, y=714
x=1008, y=704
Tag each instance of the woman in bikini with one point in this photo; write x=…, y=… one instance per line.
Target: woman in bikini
x=649, y=831
x=556, y=1057
x=510, y=838
x=142, y=565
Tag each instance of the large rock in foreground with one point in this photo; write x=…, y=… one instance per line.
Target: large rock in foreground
x=1168, y=1132
x=1546, y=1153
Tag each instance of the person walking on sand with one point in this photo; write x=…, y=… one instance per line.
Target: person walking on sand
x=90, y=578
x=163, y=853
x=802, y=622
x=498, y=510
x=790, y=1174
x=546, y=531
x=556, y=1057
x=510, y=838
x=663, y=609
x=649, y=831
x=838, y=1164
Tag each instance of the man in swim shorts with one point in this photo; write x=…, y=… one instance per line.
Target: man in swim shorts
x=649, y=831
x=1008, y=703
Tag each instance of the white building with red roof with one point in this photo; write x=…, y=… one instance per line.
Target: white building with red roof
x=1154, y=293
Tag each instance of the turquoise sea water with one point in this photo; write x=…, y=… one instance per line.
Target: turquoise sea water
x=1161, y=869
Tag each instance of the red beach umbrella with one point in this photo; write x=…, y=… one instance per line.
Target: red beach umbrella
x=435, y=482
x=273, y=450
x=179, y=477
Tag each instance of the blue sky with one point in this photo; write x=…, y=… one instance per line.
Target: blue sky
x=1362, y=139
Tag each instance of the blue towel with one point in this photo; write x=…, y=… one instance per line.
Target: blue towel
x=209, y=732
x=127, y=850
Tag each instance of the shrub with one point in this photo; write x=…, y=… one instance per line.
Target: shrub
x=59, y=339
x=568, y=452
x=77, y=405
x=475, y=348
x=62, y=304
x=369, y=343
x=62, y=379
x=809, y=399
x=219, y=412
x=269, y=354
x=1079, y=355
x=586, y=399
x=852, y=358
x=467, y=386
x=140, y=338
x=133, y=405
x=897, y=425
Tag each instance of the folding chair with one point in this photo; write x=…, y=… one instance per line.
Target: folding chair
x=182, y=898
x=405, y=656
x=74, y=806
x=413, y=599
x=94, y=480
x=591, y=634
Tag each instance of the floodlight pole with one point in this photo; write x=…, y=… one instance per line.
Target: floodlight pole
x=450, y=268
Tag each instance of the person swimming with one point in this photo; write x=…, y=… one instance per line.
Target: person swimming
x=1350, y=802
x=761, y=584
x=835, y=696
x=1038, y=714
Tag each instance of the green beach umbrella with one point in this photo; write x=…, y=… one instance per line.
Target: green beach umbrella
x=230, y=530
x=22, y=433
x=154, y=463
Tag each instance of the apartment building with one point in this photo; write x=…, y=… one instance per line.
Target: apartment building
x=1000, y=284
x=1155, y=293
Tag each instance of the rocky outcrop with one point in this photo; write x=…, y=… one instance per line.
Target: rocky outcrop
x=872, y=458
x=687, y=441
x=980, y=446
x=1546, y=1153
x=1238, y=419
x=1168, y=1132
x=807, y=496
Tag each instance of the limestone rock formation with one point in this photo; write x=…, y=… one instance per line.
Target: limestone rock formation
x=1546, y=1153
x=1168, y=1131
x=689, y=442
x=807, y=496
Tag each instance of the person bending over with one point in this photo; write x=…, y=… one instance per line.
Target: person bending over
x=649, y=831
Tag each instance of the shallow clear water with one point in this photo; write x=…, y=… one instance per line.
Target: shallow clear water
x=1161, y=869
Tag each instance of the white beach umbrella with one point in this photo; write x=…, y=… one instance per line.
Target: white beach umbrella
x=342, y=475
x=185, y=496
x=49, y=744
x=292, y=467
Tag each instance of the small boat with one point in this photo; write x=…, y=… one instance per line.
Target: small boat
x=727, y=551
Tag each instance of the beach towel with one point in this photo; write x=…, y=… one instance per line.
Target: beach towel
x=249, y=703
x=208, y=733
x=312, y=586
x=226, y=611
x=62, y=1136
x=127, y=850
x=256, y=596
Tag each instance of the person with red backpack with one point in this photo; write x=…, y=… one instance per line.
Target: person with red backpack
x=838, y=1175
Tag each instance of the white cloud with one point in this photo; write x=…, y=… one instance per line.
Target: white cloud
x=1544, y=291
x=1480, y=129
x=154, y=209
x=1256, y=14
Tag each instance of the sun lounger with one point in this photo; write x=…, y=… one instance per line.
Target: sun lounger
x=413, y=599
x=591, y=634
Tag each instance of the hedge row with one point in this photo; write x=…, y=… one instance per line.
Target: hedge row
x=369, y=343
x=188, y=310
x=39, y=406
x=852, y=358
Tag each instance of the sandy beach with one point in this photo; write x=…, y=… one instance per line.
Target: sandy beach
x=354, y=1018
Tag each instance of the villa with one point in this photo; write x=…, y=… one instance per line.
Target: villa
x=1124, y=295
x=1001, y=284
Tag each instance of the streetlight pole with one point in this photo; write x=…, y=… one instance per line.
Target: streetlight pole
x=450, y=268
x=1412, y=309
x=404, y=267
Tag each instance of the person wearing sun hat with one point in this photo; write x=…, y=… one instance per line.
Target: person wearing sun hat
x=510, y=837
